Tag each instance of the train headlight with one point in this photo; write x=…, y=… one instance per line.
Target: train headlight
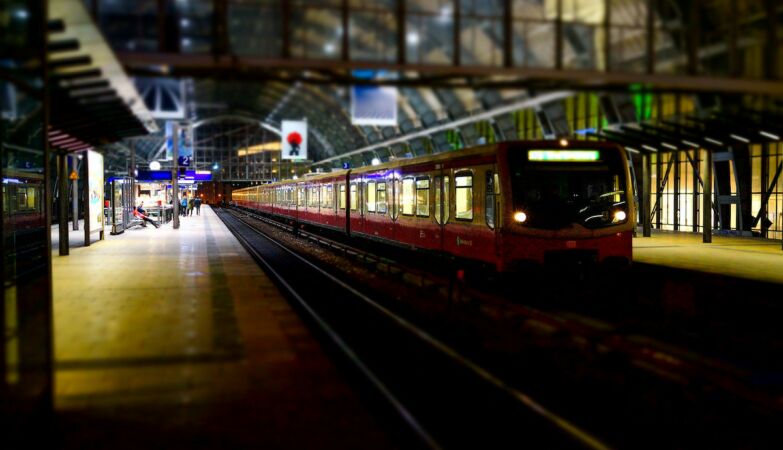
x=619, y=216
x=520, y=217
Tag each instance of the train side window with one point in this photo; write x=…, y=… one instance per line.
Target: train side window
x=381, y=198
x=423, y=196
x=446, y=200
x=330, y=203
x=302, y=200
x=408, y=196
x=324, y=203
x=342, y=196
x=489, y=200
x=464, y=196
x=371, y=198
x=354, y=197
x=438, y=185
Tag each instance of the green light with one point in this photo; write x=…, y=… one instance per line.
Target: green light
x=563, y=155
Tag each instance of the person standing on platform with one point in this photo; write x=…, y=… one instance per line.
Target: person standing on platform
x=191, y=204
x=184, y=205
x=197, y=203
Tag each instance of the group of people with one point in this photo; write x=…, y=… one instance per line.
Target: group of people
x=186, y=209
x=186, y=206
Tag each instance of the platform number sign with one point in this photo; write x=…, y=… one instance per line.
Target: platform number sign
x=294, y=140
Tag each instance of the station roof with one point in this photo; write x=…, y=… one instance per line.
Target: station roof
x=271, y=60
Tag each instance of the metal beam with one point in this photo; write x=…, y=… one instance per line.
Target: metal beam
x=312, y=71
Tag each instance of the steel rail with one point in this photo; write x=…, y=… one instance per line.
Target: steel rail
x=574, y=431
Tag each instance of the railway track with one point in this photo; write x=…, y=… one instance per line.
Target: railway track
x=690, y=371
x=446, y=399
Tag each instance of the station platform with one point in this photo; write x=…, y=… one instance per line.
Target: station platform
x=742, y=257
x=177, y=339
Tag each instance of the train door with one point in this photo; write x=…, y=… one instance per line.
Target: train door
x=468, y=234
x=441, y=183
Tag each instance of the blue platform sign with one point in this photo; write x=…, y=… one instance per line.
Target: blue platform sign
x=373, y=105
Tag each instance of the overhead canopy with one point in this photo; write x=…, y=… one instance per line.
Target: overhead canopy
x=93, y=100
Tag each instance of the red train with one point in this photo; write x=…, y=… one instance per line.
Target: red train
x=502, y=205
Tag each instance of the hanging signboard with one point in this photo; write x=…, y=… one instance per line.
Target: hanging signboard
x=95, y=191
x=185, y=145
x=373, y=105
x=294, y=140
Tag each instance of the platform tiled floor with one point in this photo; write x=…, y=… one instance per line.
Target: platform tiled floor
x=751, y=258
x=176, y=339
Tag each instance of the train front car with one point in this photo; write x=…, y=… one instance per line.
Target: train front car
x=566, y=202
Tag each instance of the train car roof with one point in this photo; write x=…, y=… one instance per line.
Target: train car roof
x=438, y=157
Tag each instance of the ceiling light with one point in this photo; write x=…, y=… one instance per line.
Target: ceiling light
x=647, y=147
x=692, y=144
x=330, y=48
x=669, y=146
x=739, y=138
x=774, y=137
x=412, y=38
x=375, y=161
x=714, y=141
x=154, y=165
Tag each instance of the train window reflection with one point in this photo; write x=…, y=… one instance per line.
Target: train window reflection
x=464, y=196
x=354, y=197
x=423, y=197
x=371, y=196
x=381, y=198
x=489, y=200
x=408, y=196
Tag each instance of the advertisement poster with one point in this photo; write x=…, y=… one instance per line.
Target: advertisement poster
x=95, y=186
x=294, y=137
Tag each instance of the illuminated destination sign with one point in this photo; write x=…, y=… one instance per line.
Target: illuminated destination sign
x=563, y=155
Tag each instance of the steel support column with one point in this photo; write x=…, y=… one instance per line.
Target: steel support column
x=508, y=34
x=62, y=201
x=457, y=41
x=558, y=36
x=676, y=189
x=607, y=25
x=285, y=28
x=706, y=208
x=75, y=193
x=733, y=38
x=175, y=173
x=401, y=32
x=345, y=42
x=650, y=26
x=695, y=187
x=220, y=43
x=646, y=195
x=694, y=27
x=771, y=47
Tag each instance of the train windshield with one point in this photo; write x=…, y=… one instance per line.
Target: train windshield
x=557, y=188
